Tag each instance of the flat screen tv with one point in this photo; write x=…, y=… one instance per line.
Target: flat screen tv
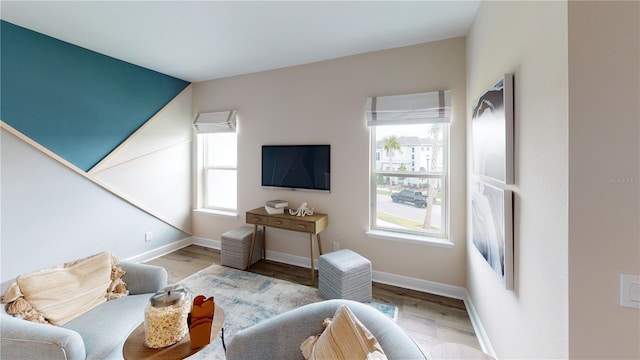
x=297, y=167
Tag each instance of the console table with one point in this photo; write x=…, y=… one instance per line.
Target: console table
x=310, y=224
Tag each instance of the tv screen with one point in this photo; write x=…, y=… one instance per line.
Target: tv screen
x=297, y=166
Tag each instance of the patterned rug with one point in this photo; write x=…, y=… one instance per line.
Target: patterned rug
x=390, y=310
x=249, y=298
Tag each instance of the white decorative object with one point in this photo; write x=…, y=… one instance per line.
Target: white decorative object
x=271, y=210
x=303, y=210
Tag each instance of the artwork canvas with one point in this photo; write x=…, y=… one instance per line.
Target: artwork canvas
x=492, y=229
x=492, y=132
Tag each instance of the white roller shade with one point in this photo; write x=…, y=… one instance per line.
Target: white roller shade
x=215, y=122
x=420, y=108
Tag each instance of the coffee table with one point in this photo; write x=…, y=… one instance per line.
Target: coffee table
x=135, y=349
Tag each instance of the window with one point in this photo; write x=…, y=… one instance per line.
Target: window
x=410, y=202
x=219, y=171
x=216, y=158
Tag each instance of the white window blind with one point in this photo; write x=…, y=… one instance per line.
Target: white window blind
x=419, y=108
x=215, y=122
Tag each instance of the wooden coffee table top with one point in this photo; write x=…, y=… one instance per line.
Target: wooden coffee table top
x=134, y=347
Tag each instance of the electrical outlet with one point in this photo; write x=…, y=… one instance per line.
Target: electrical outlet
x=148, y=236
x=336, y=246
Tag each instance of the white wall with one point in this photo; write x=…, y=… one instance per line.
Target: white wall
x=528, y=39
x=604, y=176
x=51, y=215
x=153, y=166
x=324, y=103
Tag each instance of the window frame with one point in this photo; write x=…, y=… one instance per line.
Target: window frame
x=405, y=234
x=203, y=167
x=424, y=108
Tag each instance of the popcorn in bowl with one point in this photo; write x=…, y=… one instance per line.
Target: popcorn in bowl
x=165, y=321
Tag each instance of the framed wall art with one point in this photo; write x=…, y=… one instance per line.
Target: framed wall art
x=492, y=132
x=492, y=228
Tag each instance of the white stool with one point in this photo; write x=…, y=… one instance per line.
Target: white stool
x=235, y=246
x=344, y=274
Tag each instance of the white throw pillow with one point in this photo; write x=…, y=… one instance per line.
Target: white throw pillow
x=344, y=338
x=66, y=291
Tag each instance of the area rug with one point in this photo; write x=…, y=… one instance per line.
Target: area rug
x=249, y=298
x=390, y=310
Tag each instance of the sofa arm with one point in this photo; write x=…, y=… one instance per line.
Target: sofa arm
x=22, y=339
x=143, y=278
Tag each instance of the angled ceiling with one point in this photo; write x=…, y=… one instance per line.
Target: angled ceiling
x=202, y=40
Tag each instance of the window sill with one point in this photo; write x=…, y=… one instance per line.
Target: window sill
x=219, y=213
x=413, y=239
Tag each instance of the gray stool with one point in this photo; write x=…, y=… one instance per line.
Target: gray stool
x=344, y=274
x=236, y=245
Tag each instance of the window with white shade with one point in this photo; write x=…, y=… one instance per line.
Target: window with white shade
x=410, y=163
x=216, y=159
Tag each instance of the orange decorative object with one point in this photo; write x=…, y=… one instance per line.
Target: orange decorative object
x=201, y=320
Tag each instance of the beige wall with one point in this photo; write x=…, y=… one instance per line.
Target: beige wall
x=576, y=227
x=604, y=176
x=528, y=39
x=324, y=103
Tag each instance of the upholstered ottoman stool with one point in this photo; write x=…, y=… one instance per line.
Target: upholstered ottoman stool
x=235, y=246
x=344, y=274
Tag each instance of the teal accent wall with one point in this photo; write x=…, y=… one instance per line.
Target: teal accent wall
x=76, y=102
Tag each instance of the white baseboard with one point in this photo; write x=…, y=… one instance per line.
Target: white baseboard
x=430, y=287
x=406, y=282
x=295, y=260
x=161, y=251
x=208, y=243
x=481, y=334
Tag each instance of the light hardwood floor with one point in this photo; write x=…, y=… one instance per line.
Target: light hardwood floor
x=428, y=319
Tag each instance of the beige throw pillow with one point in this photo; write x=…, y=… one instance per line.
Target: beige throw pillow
x=64, y=292
x=344, y=338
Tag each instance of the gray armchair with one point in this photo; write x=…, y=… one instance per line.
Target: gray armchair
x=280, y=337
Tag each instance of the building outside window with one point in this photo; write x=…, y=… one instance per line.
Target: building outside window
x=411, y=212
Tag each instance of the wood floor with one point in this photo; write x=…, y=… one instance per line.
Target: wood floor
x=428, y=319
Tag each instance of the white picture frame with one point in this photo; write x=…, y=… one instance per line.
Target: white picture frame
x=492, y=132
x=492, y=228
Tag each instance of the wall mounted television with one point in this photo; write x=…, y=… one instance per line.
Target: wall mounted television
x=297, y=167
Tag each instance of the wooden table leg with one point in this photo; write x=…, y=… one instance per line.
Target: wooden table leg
x=253, y=244
x=313, y=270
x=319, y=244
x=264, y=242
